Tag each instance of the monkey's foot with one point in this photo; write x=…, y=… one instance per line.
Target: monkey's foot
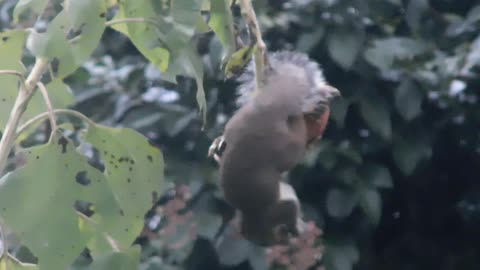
x=216, y=148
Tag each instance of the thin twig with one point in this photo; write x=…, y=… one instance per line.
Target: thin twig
x=45, y=115
x=260, y=58
x=13, y=72
x=48, y=103
x=25, y=93
x=134, y=20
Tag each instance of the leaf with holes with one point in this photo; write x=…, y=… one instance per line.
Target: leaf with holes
x=134, y=172
x=48, y=190
x=71, y=36
x=56, y=177
x=11, y=49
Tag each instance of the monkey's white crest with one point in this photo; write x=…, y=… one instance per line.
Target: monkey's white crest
x=294, y=64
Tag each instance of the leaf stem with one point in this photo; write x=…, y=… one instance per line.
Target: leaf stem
x=46, y=115
x=25, y=93
x=260, y=57
x=134, y=20
x=13, y=72
x=48, y=103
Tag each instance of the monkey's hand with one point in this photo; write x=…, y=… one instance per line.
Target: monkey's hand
x=216, y=148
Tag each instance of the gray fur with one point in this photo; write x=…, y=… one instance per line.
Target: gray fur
x=319, y=91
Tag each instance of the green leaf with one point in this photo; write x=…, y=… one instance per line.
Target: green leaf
x=377, y=176
x=52, y=43
x=408, y=152
x=221, y=21
x=167, y=44
x=56, y=176
x=48, y=190
x=239, y=60
x=371, y=204
x=384, y=51
x=146, y=37
x=11, y=49
x=134, y=172
x=340, y=203
x=7, y=263
x=344, y=46
x=37, y=6
x=376, y=114
x=408, y=100
x=187, y=61
x=84, y=18
x=127, y=260
x=87, y=16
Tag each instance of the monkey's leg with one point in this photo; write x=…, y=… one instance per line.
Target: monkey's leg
x=284, y=216
x=288, y=194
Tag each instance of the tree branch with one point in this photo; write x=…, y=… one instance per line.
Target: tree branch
x=25, y=93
